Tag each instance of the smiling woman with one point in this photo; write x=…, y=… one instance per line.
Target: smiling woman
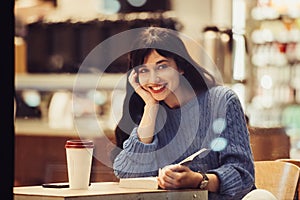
x=174, y=107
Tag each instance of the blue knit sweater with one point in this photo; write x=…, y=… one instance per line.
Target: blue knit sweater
x=214, y=120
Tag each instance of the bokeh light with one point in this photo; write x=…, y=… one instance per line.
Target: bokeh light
x=32, y=98
x=266, y=82
x=219, y=125
x=110, y=7
x=98, y=97
x=137, y=3
x=218, y=144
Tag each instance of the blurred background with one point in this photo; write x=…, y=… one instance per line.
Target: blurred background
x=254, y=45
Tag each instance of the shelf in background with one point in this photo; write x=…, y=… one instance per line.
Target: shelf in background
x=78, y=82
x=40, y=127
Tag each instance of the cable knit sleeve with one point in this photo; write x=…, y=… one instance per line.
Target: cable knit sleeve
x=236, y=171
x=137, y=158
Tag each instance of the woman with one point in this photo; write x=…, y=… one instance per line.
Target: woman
x=173, y=108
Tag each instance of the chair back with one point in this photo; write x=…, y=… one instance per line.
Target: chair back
x=280, y=178
x=295, y=162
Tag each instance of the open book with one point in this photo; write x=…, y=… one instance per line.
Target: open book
x=140, y=182
x=151, y=182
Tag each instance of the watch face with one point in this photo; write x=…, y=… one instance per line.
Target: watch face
x=203, y=184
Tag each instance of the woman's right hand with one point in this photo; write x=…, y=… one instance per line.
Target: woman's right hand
x=144, y=94
x=147, y=124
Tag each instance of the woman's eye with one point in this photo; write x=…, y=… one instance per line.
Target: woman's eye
x=142, y=70
x=162, y=66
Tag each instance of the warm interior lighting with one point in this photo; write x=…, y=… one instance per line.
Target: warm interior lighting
x=266, y=82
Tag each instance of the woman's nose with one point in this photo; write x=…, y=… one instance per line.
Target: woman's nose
x=154, y=77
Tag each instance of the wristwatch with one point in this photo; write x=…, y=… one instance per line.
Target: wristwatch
x=203, y=183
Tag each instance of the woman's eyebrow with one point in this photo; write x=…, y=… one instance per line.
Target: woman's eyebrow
x=142, y=65
x=161, y=61
x=157, y=63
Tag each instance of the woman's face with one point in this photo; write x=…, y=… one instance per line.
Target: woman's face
x=160, y=76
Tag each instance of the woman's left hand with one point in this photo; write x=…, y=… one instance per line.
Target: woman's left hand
x=178, y=176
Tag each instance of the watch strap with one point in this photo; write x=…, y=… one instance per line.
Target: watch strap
x=203, y=183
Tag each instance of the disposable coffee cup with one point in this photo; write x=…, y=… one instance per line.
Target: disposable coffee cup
x=79, y=162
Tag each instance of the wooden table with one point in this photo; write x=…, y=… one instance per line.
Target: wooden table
x=104, y=191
